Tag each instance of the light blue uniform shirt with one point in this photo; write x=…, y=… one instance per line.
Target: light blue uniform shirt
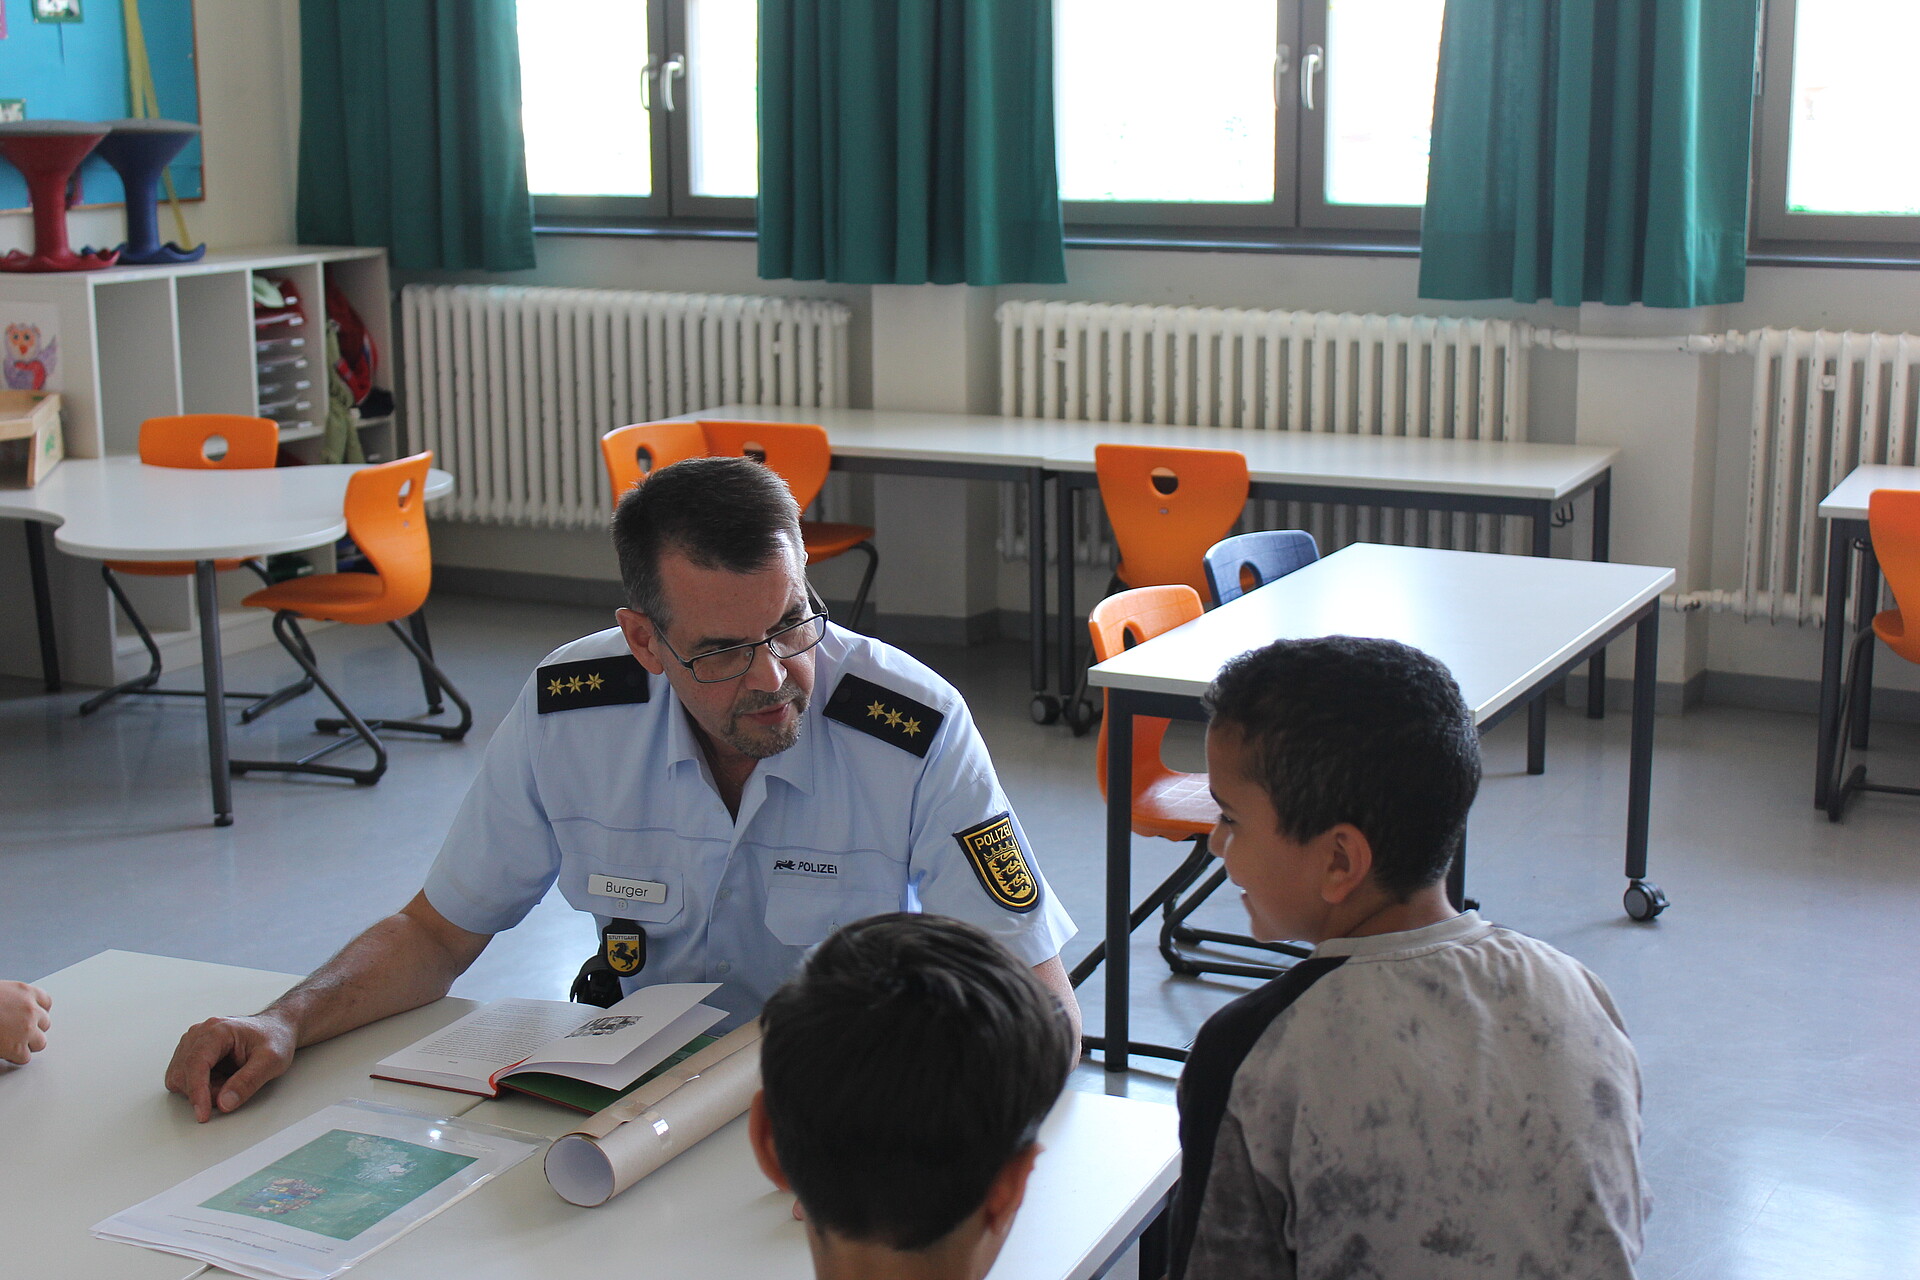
x=840, y=826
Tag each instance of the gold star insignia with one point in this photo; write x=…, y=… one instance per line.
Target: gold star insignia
x=875, y=710
x=553, y=689
x=594, y=680
x=573, y=684
x=910, y=728
x=894, y=718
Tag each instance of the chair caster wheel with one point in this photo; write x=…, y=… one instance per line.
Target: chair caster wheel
x=1044, y=709
x=1080, y=715
x=1644, y=900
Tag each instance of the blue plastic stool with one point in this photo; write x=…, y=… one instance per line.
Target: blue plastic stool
x=139, y=151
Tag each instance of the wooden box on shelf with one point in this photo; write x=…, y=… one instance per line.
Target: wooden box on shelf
x=30, y=441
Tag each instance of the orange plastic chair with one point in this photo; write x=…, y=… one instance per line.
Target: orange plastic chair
x=387, y=520
x=635, y=452
x=1167, y=506
x=202, y=442
x=802, y=456
x=1165, y=803
x=1893, y=523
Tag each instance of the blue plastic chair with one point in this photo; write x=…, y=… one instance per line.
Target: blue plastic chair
x=1263, y=556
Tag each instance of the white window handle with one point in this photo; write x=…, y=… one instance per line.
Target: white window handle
x=1310, y=66
x=674, y=67
x=1282, y=63
x=647, y=74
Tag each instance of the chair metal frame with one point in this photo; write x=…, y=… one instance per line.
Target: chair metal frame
x=387, y=521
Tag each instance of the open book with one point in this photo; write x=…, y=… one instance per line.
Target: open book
x=574, y=1054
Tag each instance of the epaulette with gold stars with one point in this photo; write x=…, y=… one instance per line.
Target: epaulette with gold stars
x=891, y=717
x=592, y=682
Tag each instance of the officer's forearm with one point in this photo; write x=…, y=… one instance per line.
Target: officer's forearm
x=400, y=963
x=1053, y=976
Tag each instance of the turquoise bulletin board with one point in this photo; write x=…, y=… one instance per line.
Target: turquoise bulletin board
x=78, y=71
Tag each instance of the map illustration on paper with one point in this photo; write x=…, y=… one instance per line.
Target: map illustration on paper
x=340, y=1184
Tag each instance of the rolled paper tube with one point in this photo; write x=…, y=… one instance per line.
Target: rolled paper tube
x=617, y=1147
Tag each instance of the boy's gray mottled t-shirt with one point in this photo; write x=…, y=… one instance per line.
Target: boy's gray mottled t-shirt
x=1454, y=1101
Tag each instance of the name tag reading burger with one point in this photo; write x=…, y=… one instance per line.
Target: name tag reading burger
x=627, y=890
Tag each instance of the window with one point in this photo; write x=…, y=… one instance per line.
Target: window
x=1279, y=113
x=1276, y=113
x=1836, y=89
x=640, y=110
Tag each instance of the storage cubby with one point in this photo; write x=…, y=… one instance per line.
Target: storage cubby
x=138, y=342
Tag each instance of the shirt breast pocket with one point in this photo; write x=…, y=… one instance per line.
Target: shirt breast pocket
x=802, y=911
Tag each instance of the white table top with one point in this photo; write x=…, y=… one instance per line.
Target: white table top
x=1472, y=467
x=87, y=1128
x=121, y=509
x=1499, y=623
x=713, y=1213
x=1848, y=501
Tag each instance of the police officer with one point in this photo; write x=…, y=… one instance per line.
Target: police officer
x=720, y=781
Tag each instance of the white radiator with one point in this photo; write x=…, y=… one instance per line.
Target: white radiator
x=512, y=387
x=1823, y=403
x=1271, y=371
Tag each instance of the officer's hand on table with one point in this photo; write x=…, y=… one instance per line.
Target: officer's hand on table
x=23, y=1021
x=222, y=1062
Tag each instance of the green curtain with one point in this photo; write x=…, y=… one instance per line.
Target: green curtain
x=410, y=131
x=908, y=143
x=1591, y=151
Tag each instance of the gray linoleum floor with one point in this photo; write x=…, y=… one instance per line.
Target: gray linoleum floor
x=1774, y=1005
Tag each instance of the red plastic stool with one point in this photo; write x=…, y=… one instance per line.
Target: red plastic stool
x=47, y=152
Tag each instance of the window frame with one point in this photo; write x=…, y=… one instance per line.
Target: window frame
x=1770, y=222
x=1299, y=206
x=672, y=201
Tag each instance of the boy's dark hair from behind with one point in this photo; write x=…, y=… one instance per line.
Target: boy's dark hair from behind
x=1368, y=732
x=906, y=1064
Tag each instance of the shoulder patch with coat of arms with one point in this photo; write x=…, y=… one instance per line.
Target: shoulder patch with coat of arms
x=591, y=682
x=994, y=852
x=892, y=717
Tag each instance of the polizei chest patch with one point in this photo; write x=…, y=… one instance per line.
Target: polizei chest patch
x=994, y=852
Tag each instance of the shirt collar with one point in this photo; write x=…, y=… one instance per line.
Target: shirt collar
x=795, y=766
x=1465, y=927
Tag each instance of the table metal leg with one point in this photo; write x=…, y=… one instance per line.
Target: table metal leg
x=1646, y=663
x=1063, y=551
x=1537, y=709
x=1840, y=535
x=207, y=599
x=1866, y=602
x=1119, y=875
x=43, y=606
x=1602, y=551
x=1037, y=576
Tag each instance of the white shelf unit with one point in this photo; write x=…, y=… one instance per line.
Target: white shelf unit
x=141, y=342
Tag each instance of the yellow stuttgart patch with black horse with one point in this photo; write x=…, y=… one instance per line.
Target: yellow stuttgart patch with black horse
x=993, y=851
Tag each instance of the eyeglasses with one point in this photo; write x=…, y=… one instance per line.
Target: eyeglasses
x=736, y=660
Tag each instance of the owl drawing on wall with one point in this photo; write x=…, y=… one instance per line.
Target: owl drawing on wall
x=28, y=363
